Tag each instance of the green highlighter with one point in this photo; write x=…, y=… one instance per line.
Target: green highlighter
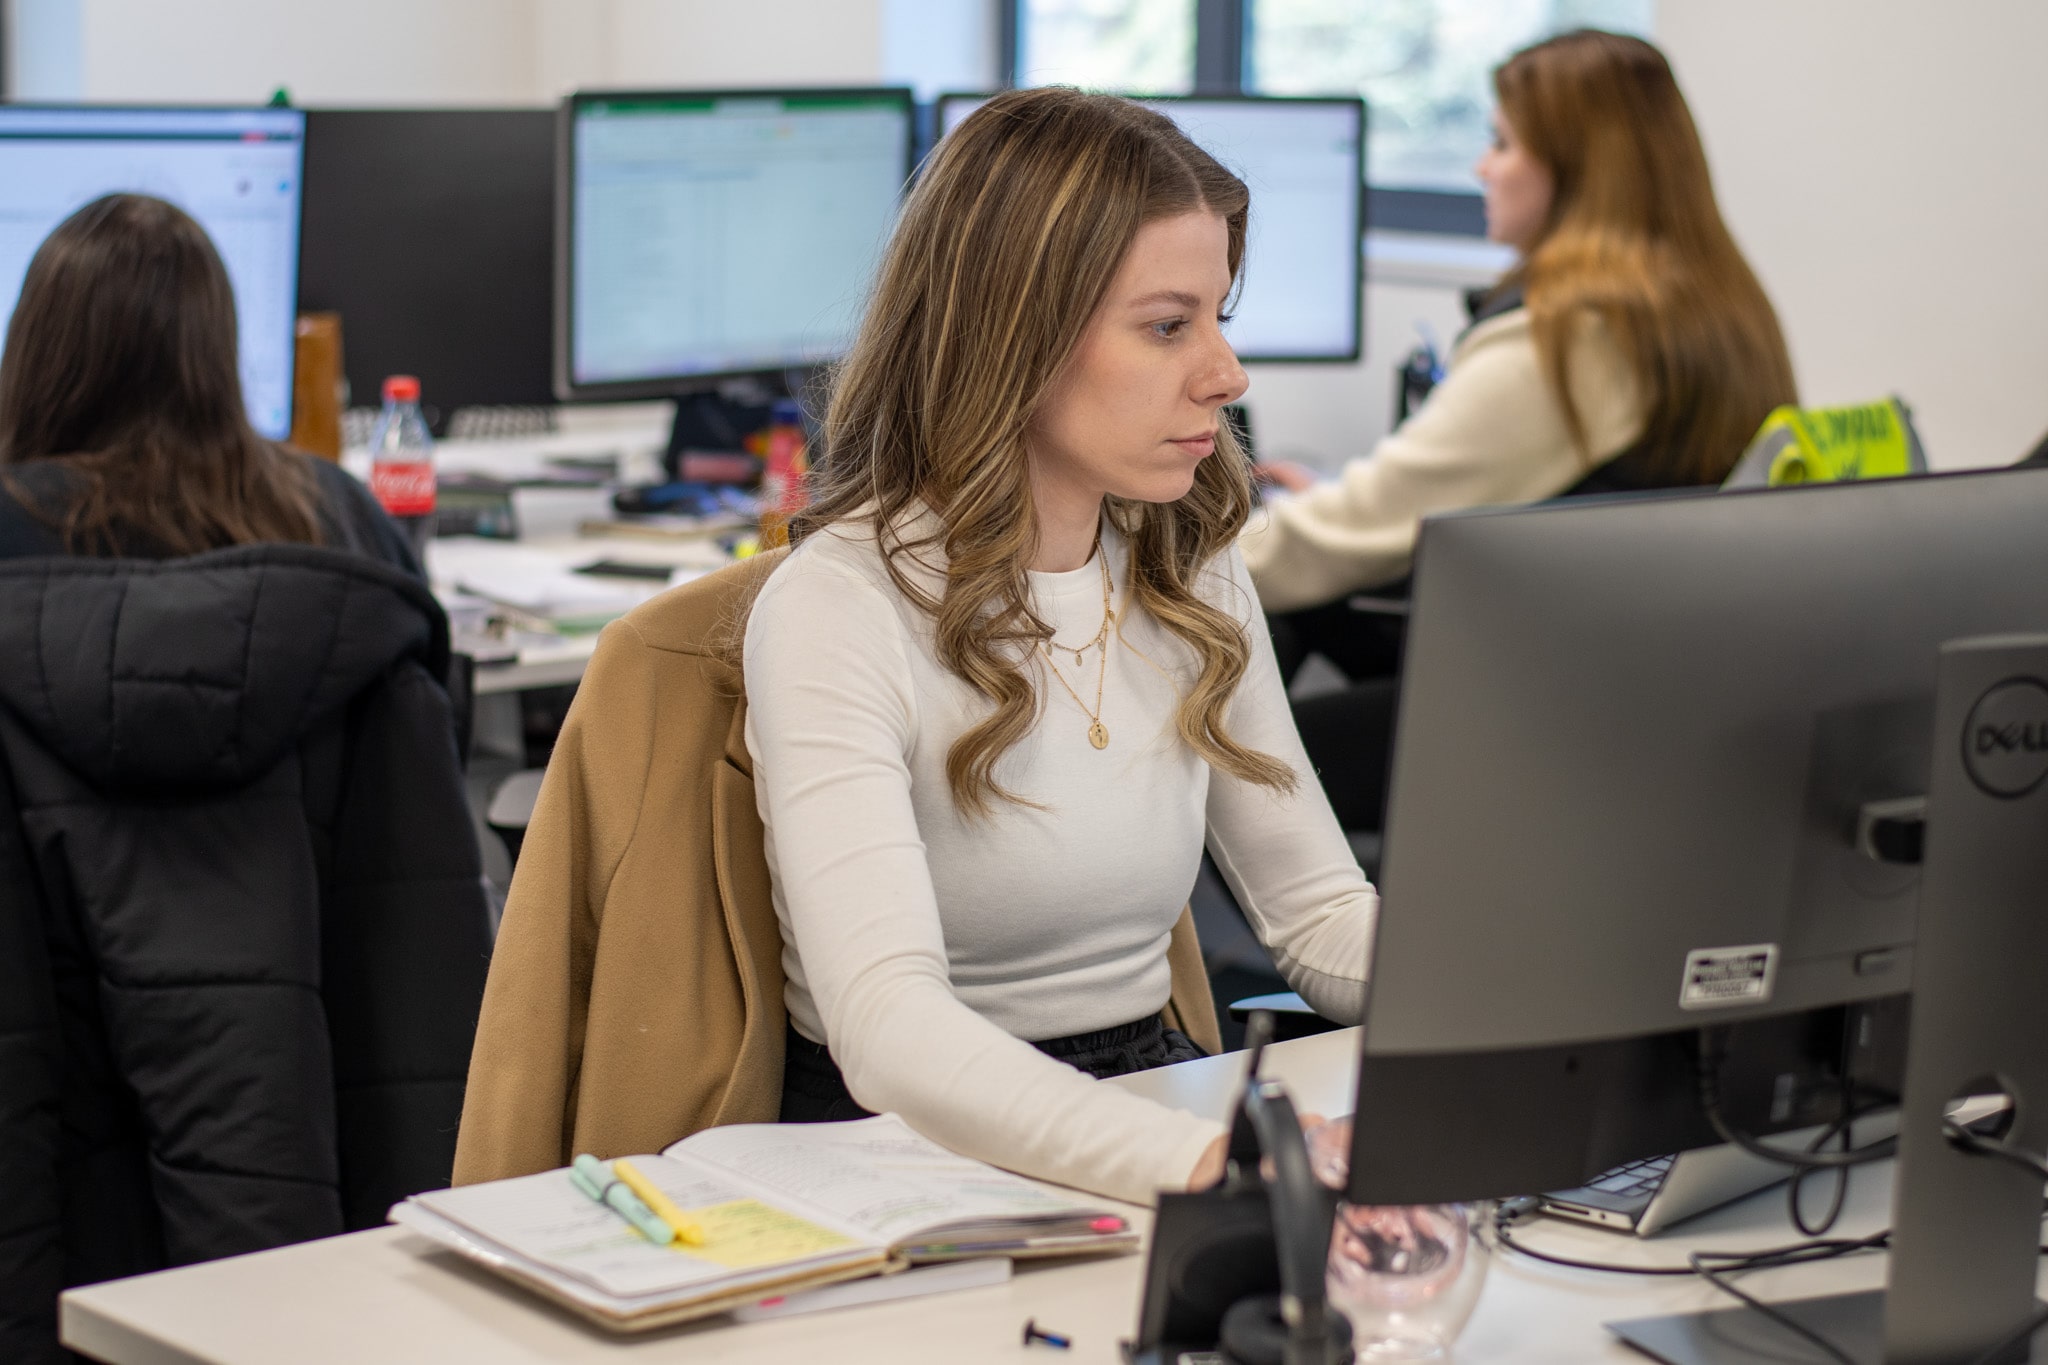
x=595, y=1179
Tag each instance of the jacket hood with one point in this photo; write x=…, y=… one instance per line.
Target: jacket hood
x=200, y=672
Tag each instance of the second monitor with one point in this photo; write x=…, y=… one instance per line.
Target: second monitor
x=1304, y=162
x=431, y=231
x=237, y=171
x=719, y=233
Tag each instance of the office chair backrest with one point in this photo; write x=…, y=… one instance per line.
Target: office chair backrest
x=1831, y=445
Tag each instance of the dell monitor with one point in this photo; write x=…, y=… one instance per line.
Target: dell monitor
x=237, y=171
x=1635, y=745
x=432, y=233
x=1304, y=163
x=714, y=234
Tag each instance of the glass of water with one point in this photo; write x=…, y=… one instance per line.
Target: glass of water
x=1407, y=1276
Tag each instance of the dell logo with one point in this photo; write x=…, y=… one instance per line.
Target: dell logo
x=2005, y=740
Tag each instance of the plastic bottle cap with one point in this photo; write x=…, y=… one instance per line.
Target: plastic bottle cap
x=402, y=388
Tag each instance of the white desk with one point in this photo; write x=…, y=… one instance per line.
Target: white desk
x=387, y=1297
x=551, y=660
x=635, y=434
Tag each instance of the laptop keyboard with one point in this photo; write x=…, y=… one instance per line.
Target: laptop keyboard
x=1636, y=1177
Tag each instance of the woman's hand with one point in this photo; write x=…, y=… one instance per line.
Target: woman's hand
x=1295, y=478
x=1209, y=1169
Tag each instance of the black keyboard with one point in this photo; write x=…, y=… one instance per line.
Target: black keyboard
x=1636, y=1177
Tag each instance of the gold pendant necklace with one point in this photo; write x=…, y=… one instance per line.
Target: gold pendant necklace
x=1098, y=733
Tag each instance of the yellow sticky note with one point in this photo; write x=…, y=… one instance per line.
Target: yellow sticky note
x=746, y=1233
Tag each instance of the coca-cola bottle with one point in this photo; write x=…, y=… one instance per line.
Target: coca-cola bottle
x=402, y=462
x=784, y=491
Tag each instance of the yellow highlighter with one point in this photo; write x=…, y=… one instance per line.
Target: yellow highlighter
x=662, y=1206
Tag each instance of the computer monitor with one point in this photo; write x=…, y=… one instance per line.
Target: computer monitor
x=719, y=233
x=1634, y=742
x=432, y=233
x=237, y=171
x=1304, y=162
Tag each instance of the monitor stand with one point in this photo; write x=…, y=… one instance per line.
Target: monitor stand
x=718, y=419
x=1965, y=1227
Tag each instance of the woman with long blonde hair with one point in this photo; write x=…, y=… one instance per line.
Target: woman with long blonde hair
x=1629, y=348
x=1013, y=675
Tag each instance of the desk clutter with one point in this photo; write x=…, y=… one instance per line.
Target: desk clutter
x=731, y=1216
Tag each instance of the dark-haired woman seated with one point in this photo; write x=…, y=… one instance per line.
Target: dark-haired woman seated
x=122, y=428
x=232, y=818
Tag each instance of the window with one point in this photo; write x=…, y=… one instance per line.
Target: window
x=1424, y=66
x=1144, y=47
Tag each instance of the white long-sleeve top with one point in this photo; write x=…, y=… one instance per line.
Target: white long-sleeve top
x=1492, y=434
x=925, y=946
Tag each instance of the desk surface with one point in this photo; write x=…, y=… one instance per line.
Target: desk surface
x=633, y=433
x=388, y=1297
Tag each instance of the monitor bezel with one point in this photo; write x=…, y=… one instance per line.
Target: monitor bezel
x=567, y=387
x=110, y=107
x=1357, y=294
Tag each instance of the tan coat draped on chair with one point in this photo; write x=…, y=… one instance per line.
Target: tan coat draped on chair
x=635, y=992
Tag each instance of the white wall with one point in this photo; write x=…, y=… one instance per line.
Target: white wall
x=1322, y=414
x=1881, y=162
x=359, y=52
x=737, y=42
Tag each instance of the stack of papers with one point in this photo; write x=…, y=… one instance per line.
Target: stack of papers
x=536, y=585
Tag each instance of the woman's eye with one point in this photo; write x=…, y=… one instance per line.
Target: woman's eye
x=1223, y=319
x=1166, y=331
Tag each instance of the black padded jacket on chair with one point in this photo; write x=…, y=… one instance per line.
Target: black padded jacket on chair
x=242, y=933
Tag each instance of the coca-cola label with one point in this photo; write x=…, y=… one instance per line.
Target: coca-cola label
x=403, y=489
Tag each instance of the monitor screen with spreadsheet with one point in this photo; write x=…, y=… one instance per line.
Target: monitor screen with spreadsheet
x=1304, y=162
x=237, y=171
x=720, y=232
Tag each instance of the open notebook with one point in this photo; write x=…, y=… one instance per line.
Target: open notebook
x=783, y=1206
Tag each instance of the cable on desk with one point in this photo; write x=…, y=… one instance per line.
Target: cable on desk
x=1717, y=1277
x=1715, y=1267
x=1730, y=1263
x=1795, y=1188
x=1713, y=1054
x=1795, y=1253
x=1844, y=1125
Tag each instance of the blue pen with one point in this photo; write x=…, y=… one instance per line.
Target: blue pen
x=595, y=1179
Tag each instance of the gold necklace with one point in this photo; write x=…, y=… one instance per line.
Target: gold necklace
x=1098, y=733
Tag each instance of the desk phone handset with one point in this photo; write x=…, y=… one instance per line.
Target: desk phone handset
x=1235, y=1275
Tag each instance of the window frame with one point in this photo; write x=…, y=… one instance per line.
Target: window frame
x=1221, y=28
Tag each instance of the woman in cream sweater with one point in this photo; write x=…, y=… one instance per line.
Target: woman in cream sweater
x=1631, y=347
x=1013, y=676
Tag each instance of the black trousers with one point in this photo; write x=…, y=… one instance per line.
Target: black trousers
x=814, y=1091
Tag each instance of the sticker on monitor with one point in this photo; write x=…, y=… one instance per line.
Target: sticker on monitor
x=1718, y=977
